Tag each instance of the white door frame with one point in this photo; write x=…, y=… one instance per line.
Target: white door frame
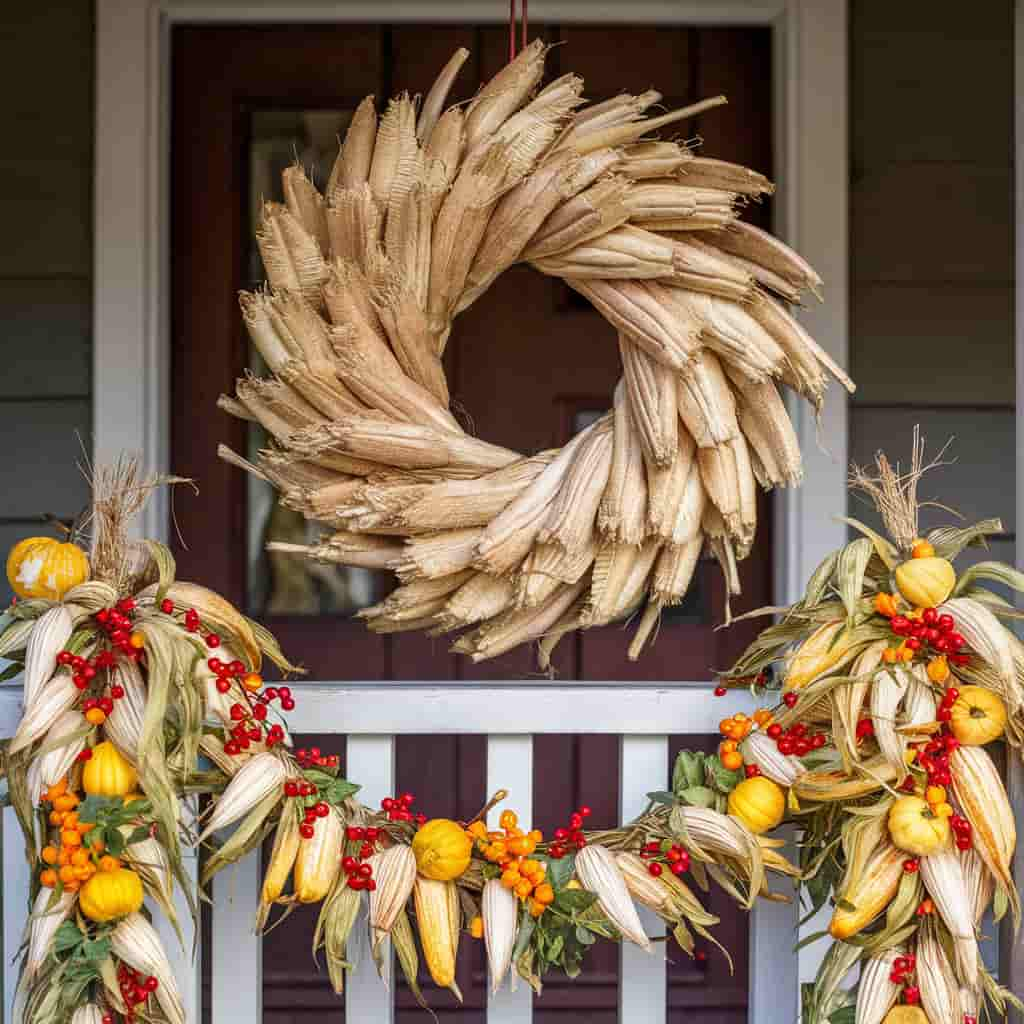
x=131, y=381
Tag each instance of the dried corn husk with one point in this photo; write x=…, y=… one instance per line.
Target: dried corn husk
x=253, y=782
x=598, y=873
x=433, y=104
x=500, y=912
x=49, y=635
x=887, y=689
x=42, y=925
x=51, y=701
x=352, y=167
x=877, y=992
x=65, y=740
x=940, y=991
x=763, y=751
x=944, y=879
x=135, y=941
x=395, y=872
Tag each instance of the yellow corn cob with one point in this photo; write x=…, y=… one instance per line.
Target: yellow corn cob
x=642, y=885
x=831, y=786
x=437, y=915
x=599, y=874
x=869, y=893
x=136, y=942
x=500, y=912
x=876, y=992
x=980, y=792
x=282, y=857
x=51, y=632
x=944, y=879
x=821, y=652
x=319, y=859
x=395, y=873
x=253, y=782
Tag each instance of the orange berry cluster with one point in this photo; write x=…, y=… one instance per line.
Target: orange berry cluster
x=511, y=850
x=70, y=863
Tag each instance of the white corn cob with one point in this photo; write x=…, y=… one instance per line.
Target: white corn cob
x=149, y=859
x=919, y=701
x=500, y=912
x=980, y=792
x=395, y=872
x=136, y=942
x=88, y=1014
x=940, y=992
x=979, y=881
x=598, y=873
x=850, y=698
x=319, y=859
x=51, y=632
x=760, y=749
x=54, y=764
x=642, y=885
x=876, y=993
x=16, y=635
x=944, y=879
x=886, y=694
x=125, y=728
x=254, y=781
x=984, y=634
x=41, y=928
x=49, y=703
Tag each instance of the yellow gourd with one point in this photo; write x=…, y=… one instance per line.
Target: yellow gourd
x=107, y=773
x=111, y=894
x=906, y=1014
x=759, y=803
x=45, y=567
x=979, y=716
x=442, y=850
x=925, y=582
x=915, y=828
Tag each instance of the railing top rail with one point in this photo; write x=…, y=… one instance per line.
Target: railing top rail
x=418, y=708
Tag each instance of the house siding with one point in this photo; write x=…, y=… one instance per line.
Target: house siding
x=46, y=161
x=932, y=246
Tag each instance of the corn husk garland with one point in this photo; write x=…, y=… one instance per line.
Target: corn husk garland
x=420, y=214
x=896, y=670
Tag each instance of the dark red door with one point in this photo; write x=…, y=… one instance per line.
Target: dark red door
x=526, y=364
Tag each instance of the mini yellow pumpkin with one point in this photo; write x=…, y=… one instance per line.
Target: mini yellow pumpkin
x=107, y=773
x=904, y=1013
x=46, y=567
x=759, y=803
x=925, y=582
x=916, y=828
x=978, y=716
x=442, y=849
x=111, y=894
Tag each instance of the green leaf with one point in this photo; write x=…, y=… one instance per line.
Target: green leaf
x=698, y=796
x=12, y=671
x=93, y=808
x=560, y=871
x=584, y=936
x=688, y=771
x=137, y=835
x=555, y=947
x=95, y=949
x=846, y=905
x=820, y=578
x=574, y=900
x=844, y=1015
x=886, y=552
x=527, y=926
x=340, y=790
x=67, y=936
x=115, y=842
x=661, y=797
x=724, y=780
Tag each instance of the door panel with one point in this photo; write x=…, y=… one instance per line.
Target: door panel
x=527, y=364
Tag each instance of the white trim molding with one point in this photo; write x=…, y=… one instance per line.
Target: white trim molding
x=132, y=252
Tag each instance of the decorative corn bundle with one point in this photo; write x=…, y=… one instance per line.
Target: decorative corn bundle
x=420, y=214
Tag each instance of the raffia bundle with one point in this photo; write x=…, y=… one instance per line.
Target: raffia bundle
x=423, y=209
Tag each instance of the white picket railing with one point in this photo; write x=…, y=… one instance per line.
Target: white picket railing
x=371, y=716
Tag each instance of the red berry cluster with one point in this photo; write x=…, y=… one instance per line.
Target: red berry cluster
x=571, y=836
x=796, y=739
x=356, y=867
x=314, y=810
x=945, y=711
x=674, y=856
x=225, y=672
x=136, y=988
x=751, y=771
x=911, y=865
x=312, y=758
x=931, y=630
x=117, y=624
x=902, y=968
x=397, y=808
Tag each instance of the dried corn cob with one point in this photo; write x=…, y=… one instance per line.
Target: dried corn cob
x=500, y=911
x=940, y=992
x=944, y=879
x=254, y=781
x=877, y=992
x=437, y=915
x=599, y=874
x=395, y=872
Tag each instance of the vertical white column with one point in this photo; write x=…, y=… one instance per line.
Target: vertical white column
x=185, y=957
x=643, y=977
x=510, y=758
x=236, y=950
x=15, y=905
x=371, y=760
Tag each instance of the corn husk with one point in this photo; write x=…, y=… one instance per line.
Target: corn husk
x=48, y=706
x=764, y=250
x=887, y=690
x=598, y=873
x=876, y=992
x=135, y=941
x=500, y=913
x=395, y=872
x=940, y=991
x=65, y=739
x=980, y=793
x=352, y=167
x=433, y=103
x=437, y=915
x=758, y=748
x=254, y=781
x=49, y=635
x=42, y=925
x=944, y=879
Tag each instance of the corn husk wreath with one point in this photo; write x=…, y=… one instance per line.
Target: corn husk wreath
x=422, y=211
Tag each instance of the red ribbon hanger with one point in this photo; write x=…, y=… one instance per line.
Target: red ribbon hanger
x=512, y=28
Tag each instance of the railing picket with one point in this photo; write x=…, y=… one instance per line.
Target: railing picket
x=643, y=977
x=236, y=951
x=16, y=883
x=371, y=760
x=511, y=757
